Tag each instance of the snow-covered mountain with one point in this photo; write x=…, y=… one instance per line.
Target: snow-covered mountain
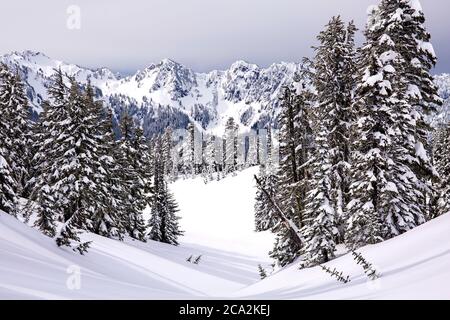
x=169, y=92
x=443, y=83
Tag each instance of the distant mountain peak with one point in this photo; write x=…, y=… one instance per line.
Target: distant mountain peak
x=169, y=93
x=242, y=64
x=168, y=61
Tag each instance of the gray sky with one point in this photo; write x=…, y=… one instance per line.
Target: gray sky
x=126, y=35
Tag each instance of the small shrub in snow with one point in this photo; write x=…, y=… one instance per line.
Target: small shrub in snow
x=197, y=260
x=262, y=272
x=336, y=274
x=369, y=270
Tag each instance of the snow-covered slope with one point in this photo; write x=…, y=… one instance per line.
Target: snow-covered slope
x=218, y=220
x=170, y=93
x=415, y=265
x=32, y=266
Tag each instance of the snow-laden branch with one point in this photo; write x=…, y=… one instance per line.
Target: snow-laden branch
x=286, y=221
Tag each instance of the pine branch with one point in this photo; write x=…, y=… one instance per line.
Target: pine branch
x=369, y=270
x=189, y=259
x=336, y=274
x=83, y=247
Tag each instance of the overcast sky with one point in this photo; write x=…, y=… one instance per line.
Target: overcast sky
x=126, y=35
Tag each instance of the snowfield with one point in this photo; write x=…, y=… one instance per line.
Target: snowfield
x=218, y=220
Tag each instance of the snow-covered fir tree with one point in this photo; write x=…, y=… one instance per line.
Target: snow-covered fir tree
x=320, y=230
x=133, y=177
x=69, y=165
x=420, y=93
x=265, y=215
x=415, y=86
x=143, y=164
x=16, y=135
x=292, y=173
x=334, y=65
x=42, y=198
x=373, y=191
x=163, y=224
x=387, y=190
x=77, y=168
x=252, y=153
x=187, y=158
x=8, y=196
x=8, y=183
x=442, y=162
x=230, y=146
x=108, y=221
x=167, y=154
x=78, y=181
x=209, y=158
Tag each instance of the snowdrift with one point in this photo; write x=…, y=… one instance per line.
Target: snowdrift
x=218, y=220
x=415, y=265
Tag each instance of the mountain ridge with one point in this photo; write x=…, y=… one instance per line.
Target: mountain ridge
x=170, y=90
x=169, y=93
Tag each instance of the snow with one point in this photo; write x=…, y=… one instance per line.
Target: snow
x=426, y=47
x=415, y=265
x=416, y=6
x=222, y=213
x=414, y=91
x=33, y=267
x=3, y=163
x=371, y=80
x=244, y=91
x=421, y=152
x=218, y=220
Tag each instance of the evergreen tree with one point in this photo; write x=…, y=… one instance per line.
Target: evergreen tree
x=133, y=177
x=187, y=160
x=252, y=153
x=231, y=146
x=209, y=162
x=262, y=272
x=164, y=226
x=8, y=197
x=109, y=218
x=293, y=171
x=167, y=154
x=70, y=183
x=383, y=200
x=45, y=221
x=412, y=42
x=47, y=150
x=320, y=230
x=334, y=65
x=265, y=216
x=77, y=189
x=8, y=183
x=442, y=162
x=15, y=111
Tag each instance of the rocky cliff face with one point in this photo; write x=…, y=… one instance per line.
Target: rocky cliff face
x=168, y=93
x=443, y=114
